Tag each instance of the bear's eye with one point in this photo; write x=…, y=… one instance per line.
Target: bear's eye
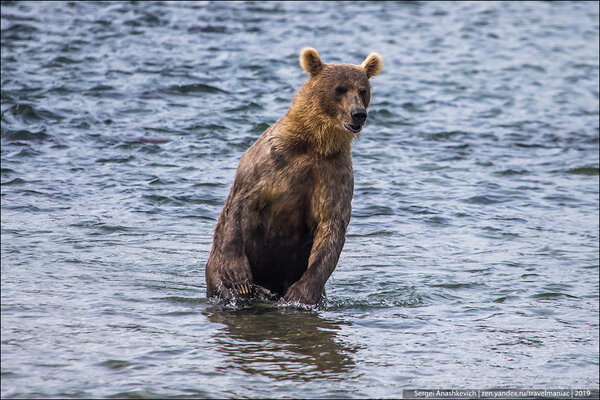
x=362, y=92
x=340, y=90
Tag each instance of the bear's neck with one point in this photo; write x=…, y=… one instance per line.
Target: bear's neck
x=305, y=126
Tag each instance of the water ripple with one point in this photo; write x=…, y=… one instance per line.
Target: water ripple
x=473, y=243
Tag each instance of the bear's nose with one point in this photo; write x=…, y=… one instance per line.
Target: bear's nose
x=359, y=115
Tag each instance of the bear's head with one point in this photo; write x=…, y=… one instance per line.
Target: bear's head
x=331, y=107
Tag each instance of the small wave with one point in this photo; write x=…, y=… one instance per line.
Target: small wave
x=457, y=285
x=210, y=184
x=105, y=229
x=372, y=211
x=401, y=297
x=116, y=364
x=444, y=135
x=193, y=89
x=202, y=198
x=62, y=61
x=24, y=134
x=552, y=295
x=437, y=221
x=381, y=114
x=118, y=160
x=586, y=170
x=145, y=19
x=16, y=181
x=212, y=128
x=485, y=199
x=430, y=167
x=27, y=152
x=502, y=299
x=101, y=228
x=295, y=305
x=594, y=266
x=263, y=303
x=259, y=128
x=511, y=172
x=158, y=181
x=562, y=200
x=104, y=91
x=208, y=29
x=13, y=29
x=28, y=114
x=410, y=106
x=157, y=199
x=233, y=303
x=337, y=305
x=144, y=139
x=376, y=233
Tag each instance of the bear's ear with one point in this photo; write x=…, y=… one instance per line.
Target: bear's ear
x=372, y=65
x=310, y=61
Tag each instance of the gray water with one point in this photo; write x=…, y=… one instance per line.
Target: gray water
x=471, y=259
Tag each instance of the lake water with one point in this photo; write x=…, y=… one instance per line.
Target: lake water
x=472, y=255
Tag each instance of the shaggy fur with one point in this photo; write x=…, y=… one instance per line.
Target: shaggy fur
x=283, y=226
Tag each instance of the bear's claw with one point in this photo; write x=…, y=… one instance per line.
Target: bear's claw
x=242, y=288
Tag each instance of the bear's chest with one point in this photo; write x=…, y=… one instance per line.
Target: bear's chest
x=283, y=199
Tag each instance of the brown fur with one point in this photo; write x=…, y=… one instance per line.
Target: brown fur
x=284, y=223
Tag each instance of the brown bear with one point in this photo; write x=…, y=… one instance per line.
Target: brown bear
x=284, y=222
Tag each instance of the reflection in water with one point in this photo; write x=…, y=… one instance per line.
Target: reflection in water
x=280, y=343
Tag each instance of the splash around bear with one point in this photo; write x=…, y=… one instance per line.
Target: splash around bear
x=284, y=222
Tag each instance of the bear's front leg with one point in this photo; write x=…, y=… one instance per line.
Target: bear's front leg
x=304, y=291
x=327, y=246
x=227, y=277
x=228, y=271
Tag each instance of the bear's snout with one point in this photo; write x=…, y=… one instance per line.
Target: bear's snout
x=359, y=115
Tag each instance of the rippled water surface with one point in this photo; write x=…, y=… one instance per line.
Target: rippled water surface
x=471, y=259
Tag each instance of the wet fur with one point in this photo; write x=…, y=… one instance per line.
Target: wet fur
x=284, y=222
